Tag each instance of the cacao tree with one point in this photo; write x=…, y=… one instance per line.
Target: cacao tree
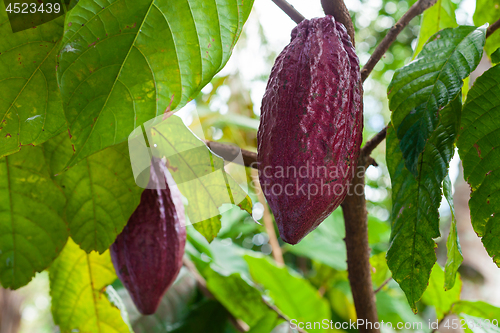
x=129, y=207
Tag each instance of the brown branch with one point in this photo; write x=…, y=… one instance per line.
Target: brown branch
x=339, y=11
x=418, y=8
x=383, y=285
x=492, y=28
x=358, y=250
x=371, y=144
x=290, y=10
x=230, y=152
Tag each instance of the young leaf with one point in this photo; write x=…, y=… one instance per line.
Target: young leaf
x=77, y=287
x=416, y=202
x=122, y=63
x=32, y=232
x=198, y=172
x=438, y=17
x=477, y=148
x=293, y=295
x=420, y=90
x=495, y=56
x=100, y=190
x=30, y=105
x=436, y=296
x=480, y=316
x=488, y=11
x=454, y=251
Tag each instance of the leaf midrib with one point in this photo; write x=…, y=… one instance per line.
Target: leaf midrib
x=114, y=82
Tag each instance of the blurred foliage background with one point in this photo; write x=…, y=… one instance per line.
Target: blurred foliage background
x=229, y=109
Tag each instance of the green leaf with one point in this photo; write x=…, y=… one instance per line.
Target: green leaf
x=230, y=290
x=30, y=102
x=123, y=62
x=488, y=11
x=32, y=232
x=420, y=90
x=380, y=271
x=495, y=56
x=325, y=244
x=100, y=190
x=415, y=215
x=475, y=314
x=207, y=316
x=77, y=287
x=454, y=251
x=292, y=294
x=209, y=228
x=436, y=296
x=198, y=173
x=438, y=17
x=477, y=148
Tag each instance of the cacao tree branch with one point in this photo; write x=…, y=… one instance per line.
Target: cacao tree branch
x=492, y=28
x=356, y=218
x=358, y=250
x=371, y=144
x=290, y=10
x=338, y=10
x=383, y=285
x=418, y=8
x=249, y=158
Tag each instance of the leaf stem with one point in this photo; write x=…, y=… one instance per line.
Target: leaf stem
x=290, y=11
x=492, y=28
x=383, y=285
x=371, y=144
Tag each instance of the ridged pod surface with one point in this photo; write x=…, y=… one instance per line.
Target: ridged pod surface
x=147, y=255
x=311, y=127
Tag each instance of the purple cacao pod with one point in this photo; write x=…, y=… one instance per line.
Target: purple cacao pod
x=311, y=127
x=147, y=255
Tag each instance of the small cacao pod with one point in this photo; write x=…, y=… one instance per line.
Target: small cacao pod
x=311, y=127
x=147, y=255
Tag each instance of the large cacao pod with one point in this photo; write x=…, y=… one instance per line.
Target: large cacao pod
x=311, y=127
x=147, y=255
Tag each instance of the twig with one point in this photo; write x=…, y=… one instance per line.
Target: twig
x=290, y=10
x=202, y=284
x=418, y=8
x=268, y=222
x=383, y=285
x=380, y=136
x=338, y=10
x=230, y=152
x=492, y=28
x=280, y=314
x=371, y=144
